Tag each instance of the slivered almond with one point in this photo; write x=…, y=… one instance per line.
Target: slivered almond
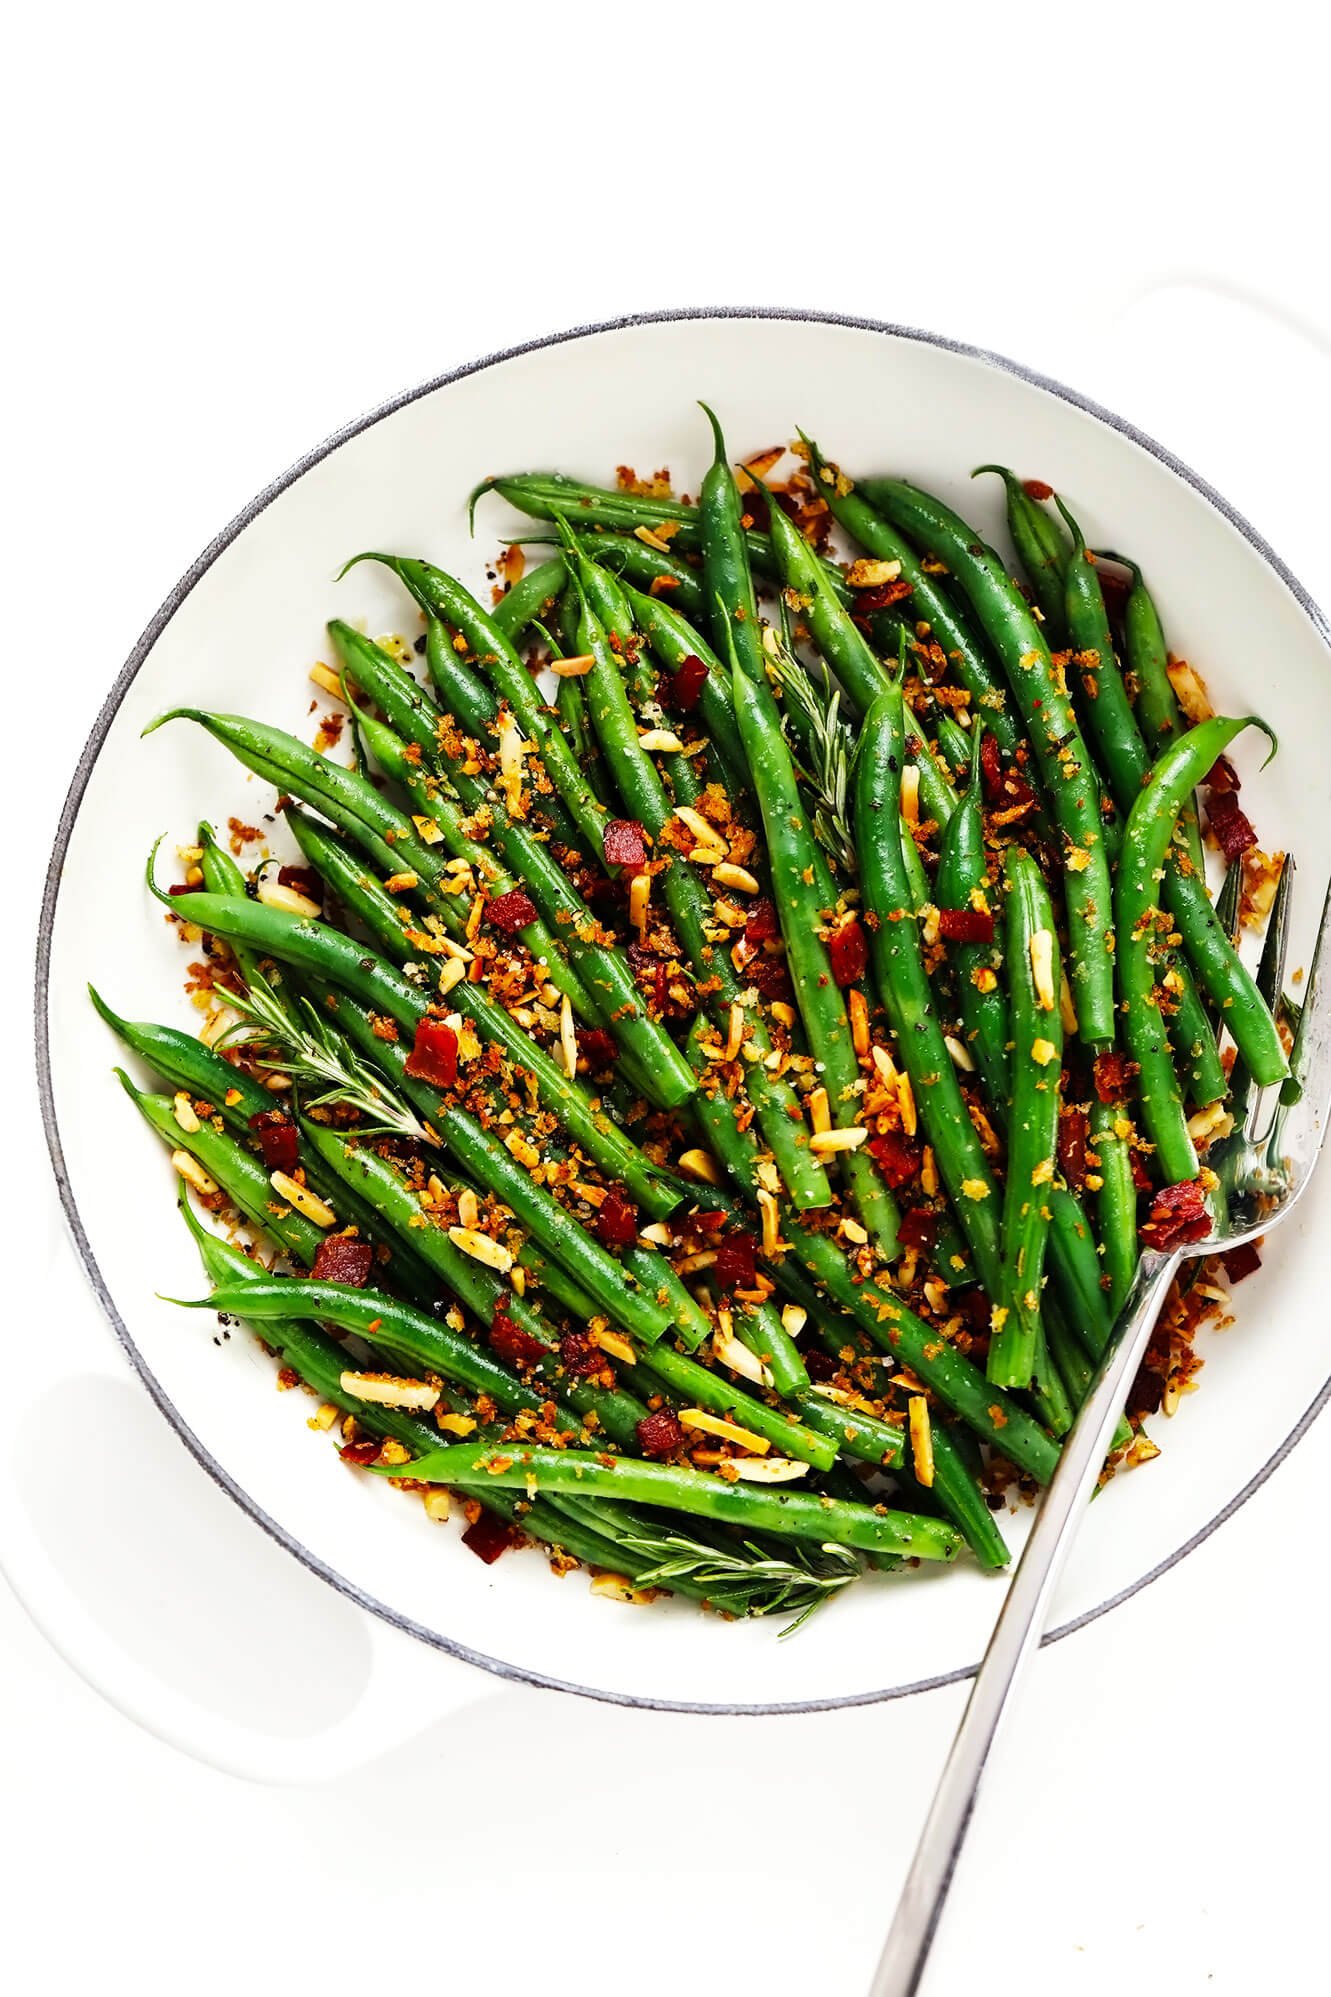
x=658, y=1233
x=776, y=1470
x=700, y=1165
x=652, y=540
x=619, y=1588
x=330, y=681
x=386, y=1392
x=1042, y=968
x=854, y=1232
x=702, y=829
x=886, y=1066
x=437, y=1505
x=870, y=574
x=289, y=900
x=481, y=1248
x=1043, y=1052
x=910, y=794
x=192, y=1172
x=1067, y=1010
x=324, y=1416
x=660, y=741
x=735, y=1035
x=771, y=1214
x=402, y=883
x=910, y=1122
x=824, y=1142
x=794, y=1317
x=820, y=1112
x=858, y=1008
x=182, y=1109
x=725, y=1431
x=921, y=1440
x=572, y=669
x=451, y=972
x=739, y=1359
x=783, y=1012
x=568, y=1037
x=960, y=1052
x=302, y=1199
x=728, y=875
x=427, y=829
x=640, y=896
x=612, y=1343
x=469, y=1211
x=456, y=1424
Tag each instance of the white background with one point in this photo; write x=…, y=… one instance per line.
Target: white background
x=231, y=229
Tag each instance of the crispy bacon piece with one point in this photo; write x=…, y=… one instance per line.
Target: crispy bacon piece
x=1141, y=1178
x=682, y=689
x=708, y=1219
x=869, y=600
x=762, y=925
x=279, y=1142
x=1035, y=488
x=489, y=1537
x=896, y=1156
x=1074, y=1135
x=820, y=1365
x=340, y=1258
x=770, y=976
x=736, y=1266
x=919, y=1228
x=660, y=1434
x=597, y=1047
x=303, y=879
x=966, y=925
x=512, y=911
x=849, y=953
x=580, y=1357
x=1178, y=1214
x=1230, y=825
x=434, y=1055
x=973, y=1304
x=1112, y=1073
x=514, y=1345
x=361, y=1452
x=616, y=1222
x=625, y=843
x=1222, y=775
x=1241, y=1262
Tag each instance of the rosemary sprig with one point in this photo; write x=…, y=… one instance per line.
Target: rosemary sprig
x=752, y=1582
x=825, y=766
x=316, y=1060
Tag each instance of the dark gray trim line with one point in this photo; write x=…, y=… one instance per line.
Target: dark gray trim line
x=79, y=784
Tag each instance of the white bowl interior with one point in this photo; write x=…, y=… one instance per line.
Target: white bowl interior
x=243, y=639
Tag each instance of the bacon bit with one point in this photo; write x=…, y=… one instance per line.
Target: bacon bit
x=341, y=1258
x=488, y=1536
x=616, y=1224
x=1141, y=1178
x=1222, y=775
x=966, y=925
x=1178, y=1214
x=279, y=1141
x=869, y=600
x=360, y=1453
x=1242, y=1261
x=434, y=1056
x=625, y=843
x=735, y=1267
x=1074, y=1136
x=683, y=688
x=762, y=925
x=512, y=911
x=1229, y=825
x=849, y=953
x=1112, y=1074
x=1035, y=488
x=514, y=1345
x=303, y=879
x=897, y=1158
x=660, y=1434
x=580, y=1358
x=597, y=1048
x=918, y=1229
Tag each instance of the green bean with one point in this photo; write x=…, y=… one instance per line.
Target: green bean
x=1064, y=760
x=1040, y=550
x=960, y=1495
x=764, y=1334
x=687, y=899
x=903, y=985
x=841, y=642
x=673, y=640
x=866, y=1437
x=790, y=1514
x=928, y=599
x=1145, y=845
x=696, y=1385
x=184, y=1061
x=477, y=1287
x=962, y=876
x=802, y=912
x=636, y=561
x=326, y=953
x=1031, y=954
x=1115, y=1197
x=529, y=598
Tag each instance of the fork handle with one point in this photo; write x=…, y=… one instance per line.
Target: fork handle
x=1017, y=1631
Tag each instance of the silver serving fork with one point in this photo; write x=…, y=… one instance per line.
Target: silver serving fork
x=1262, y=1176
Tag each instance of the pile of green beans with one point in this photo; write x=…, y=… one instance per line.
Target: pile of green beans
x=657, y=1109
